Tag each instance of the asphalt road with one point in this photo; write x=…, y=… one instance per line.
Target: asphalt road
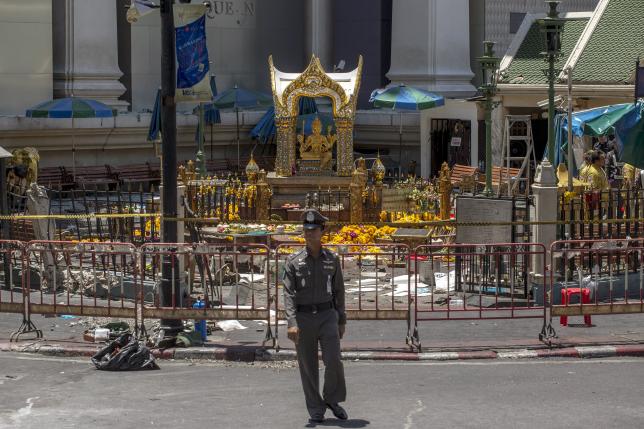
x=41, y=392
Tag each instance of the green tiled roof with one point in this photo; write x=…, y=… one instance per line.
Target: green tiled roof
x=528, y=64
x=610, y=54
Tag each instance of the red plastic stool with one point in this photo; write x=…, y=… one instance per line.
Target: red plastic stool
x=565, y=299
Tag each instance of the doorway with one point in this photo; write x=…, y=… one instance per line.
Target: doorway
x=451, y=143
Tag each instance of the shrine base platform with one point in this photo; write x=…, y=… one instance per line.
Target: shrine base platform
x=293, y=189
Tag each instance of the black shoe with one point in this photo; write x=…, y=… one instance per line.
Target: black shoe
x=318, y=418
x=338, y=411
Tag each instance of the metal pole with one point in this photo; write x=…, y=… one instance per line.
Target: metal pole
x=169, y=149
x=200, y=156
x=570, y=137
x=488, y=145
x=4, y=209
x=637, y=81
x=400, y=146
x=5, y=223
x=237, y=114
x=490, y=65
x=73, y=145
x=551, y=108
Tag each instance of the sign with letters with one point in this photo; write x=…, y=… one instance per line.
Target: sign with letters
x=479, y=211
x=232, y=13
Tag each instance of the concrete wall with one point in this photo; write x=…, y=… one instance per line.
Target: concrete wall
x=477, y=36
x=240, y=37
x=25, y=53
x=363, y=27
x=122, y=140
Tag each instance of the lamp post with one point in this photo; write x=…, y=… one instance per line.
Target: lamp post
x=490, y=64
x=170, y=285
x=552, y=27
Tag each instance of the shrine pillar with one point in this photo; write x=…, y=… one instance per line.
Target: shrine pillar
x=286, y=138
x=344, y=131
x=263, y=201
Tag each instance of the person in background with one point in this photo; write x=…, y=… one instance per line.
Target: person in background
x=610, y=163
x=632, y=177
x=612, y=143
x=587, y=162
x=597, y=182
x=602, y=144
x=595, y=175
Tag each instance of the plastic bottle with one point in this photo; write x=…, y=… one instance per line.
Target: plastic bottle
x=200, y=325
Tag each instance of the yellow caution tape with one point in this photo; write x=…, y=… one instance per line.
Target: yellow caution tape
x=444, y=223
x=79, y=216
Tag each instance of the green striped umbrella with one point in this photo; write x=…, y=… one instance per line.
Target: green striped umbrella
x=402, y=97
x=71, y=107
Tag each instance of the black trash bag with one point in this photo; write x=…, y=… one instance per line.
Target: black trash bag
x=124, y=354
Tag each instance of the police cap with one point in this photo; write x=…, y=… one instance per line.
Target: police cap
x=312, y=219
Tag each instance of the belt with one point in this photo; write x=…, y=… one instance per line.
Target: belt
x=314, y=308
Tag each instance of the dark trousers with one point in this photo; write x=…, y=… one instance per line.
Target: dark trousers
x=323, y=328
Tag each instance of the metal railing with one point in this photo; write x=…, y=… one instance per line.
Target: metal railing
x=475, y=281
x=382, y=282
x=615, y=213
x=595, y=277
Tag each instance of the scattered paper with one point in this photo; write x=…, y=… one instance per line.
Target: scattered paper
x=229, y=325
x=365, y=282
x=444, y=282
x=372, y=274
x=251, y=278
x=359, y=290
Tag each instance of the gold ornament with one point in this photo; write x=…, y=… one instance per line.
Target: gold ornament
x=378, y=170
x=252, y=169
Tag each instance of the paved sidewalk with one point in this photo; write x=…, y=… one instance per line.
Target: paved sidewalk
x=616, y=335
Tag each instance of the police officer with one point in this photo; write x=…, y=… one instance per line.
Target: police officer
x=314, y=303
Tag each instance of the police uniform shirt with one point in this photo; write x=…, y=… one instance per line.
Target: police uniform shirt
x=309, y=281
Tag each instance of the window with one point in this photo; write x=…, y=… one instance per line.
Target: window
x=515, y=21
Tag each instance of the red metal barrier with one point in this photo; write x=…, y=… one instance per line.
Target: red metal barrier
x=233, y=280
x=475, y=281
x=609, y=272
x=12, y=291
x=376, y=277
x=81, y=279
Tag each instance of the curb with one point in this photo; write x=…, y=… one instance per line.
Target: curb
x=258, y=354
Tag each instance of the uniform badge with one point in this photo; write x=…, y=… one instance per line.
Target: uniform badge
x=310, y=217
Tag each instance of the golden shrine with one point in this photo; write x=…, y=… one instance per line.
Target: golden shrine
x=316, y=168
x=317, y=148
x=320, y=160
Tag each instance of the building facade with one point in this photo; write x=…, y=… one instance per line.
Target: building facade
x=87, y=48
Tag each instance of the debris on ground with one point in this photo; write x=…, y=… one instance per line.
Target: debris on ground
x=125, y=353
x=229, y=325
x=188, y=339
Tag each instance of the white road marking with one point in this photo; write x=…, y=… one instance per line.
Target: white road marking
x=409, y=420
x=495, y=362
x=24, y=411
x=41, y=358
